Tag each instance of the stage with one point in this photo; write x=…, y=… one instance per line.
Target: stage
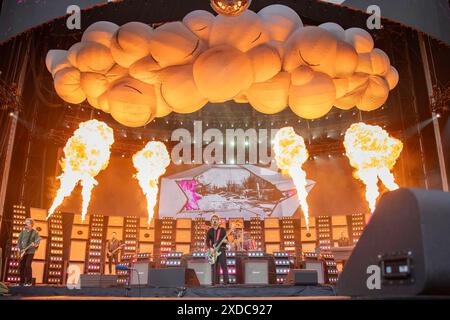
x=222, y=292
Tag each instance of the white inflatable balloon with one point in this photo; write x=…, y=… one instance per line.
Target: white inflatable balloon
x=174, y=44
x=280, y=21
x=222, y=72
x=200, y=23
x=335, y=29
x=313, y=99
x=132, y=102
x=57, y=60
x=243, y=32
x=94, y=57
x=269, y=60
x=130, y=43
x=266, y=62
x=146, y=70
x=360, y=39
x=392, y=77
x=100, y=32
x=179, y=90
x=68, y=86
x=270, y=96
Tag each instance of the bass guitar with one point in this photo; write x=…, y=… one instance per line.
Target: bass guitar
x=111, y=253
x=213, y=253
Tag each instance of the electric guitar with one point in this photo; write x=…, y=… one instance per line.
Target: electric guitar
x=111, y=253
x=213, y=253
x=21, y=253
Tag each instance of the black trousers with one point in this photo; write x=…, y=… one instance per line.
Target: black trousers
x=113, y=259
x=26, y=273
x=221, y=263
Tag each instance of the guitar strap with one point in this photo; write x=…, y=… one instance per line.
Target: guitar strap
x=217, y=234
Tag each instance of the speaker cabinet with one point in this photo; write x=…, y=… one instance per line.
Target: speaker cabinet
x=319, y=268
x=259, y=271
x=203, y=271
x=403, y=251
x=172, y=277
x=302, y=277
x=142, y=269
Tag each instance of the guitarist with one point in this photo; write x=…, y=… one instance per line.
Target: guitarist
x=113, y=248
x=29, y=240
x=214, y=235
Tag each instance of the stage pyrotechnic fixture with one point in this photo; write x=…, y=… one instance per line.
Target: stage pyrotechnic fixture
x=290, y=155
x=230, y=7
x=373, y=153
x=151, y=163
x=86, y=153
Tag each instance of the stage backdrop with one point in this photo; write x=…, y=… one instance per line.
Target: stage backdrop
x=335, y=191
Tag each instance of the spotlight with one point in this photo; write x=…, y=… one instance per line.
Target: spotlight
x=11, y=114
x=438, y=115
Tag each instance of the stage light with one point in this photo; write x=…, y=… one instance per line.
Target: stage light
x=438, y=115
x=230, y=7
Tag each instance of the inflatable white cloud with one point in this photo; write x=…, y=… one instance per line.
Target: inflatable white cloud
x=269, y=60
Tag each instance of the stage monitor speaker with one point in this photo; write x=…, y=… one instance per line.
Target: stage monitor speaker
x=302, y=277
x=319, y=267
x=258, y=271
x=203, y=271
x=98, y=281
x=172, y=277
x=403, y=251
x=141, y=268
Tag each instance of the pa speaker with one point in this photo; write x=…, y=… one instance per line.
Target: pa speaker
x=404, y=250
x=172, y=277
x=302, y=277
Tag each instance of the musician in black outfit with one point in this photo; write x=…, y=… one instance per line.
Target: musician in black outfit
x=214, y=235
x=113, y=251
x=28, y=239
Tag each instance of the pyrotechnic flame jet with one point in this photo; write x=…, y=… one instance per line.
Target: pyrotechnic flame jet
x=290, y=155
x=86, y=153
x=151, y=163
x=373, y=153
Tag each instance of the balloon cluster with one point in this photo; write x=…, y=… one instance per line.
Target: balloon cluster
x=269, y=60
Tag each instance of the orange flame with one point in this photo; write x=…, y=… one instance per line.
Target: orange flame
x=151, y=163
x=290, y=155
x=86, y=153
x=373, y=153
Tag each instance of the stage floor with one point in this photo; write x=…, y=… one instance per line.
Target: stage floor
x=228, y=292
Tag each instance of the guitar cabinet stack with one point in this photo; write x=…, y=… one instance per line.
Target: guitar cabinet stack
x=78, y=242
x=41, y=263
x=18, y=219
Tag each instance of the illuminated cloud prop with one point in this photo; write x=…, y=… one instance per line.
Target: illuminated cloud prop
x=270, y=60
